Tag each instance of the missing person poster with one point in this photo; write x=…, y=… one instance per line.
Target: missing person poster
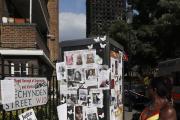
x=83, y=96
x=91, y=76
x=29, y=92
x=61, y=71
x=96, y=98
x=91, y=113
x=103, y=77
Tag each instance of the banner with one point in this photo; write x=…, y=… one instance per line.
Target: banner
x=29, y=92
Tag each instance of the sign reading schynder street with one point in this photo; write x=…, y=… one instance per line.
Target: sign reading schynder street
x=29, y=92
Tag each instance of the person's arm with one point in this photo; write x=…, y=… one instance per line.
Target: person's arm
x=168, y=113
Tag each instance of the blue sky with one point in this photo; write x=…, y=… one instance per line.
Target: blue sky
x=75, y=6
x=72, y=19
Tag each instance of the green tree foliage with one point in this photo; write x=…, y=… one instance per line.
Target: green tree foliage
x=154, y=34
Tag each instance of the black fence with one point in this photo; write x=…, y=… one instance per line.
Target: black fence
x=43, y=112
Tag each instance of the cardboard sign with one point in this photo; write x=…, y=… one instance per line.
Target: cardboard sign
x=29, y=92
x=7, y=91
x=28, y=115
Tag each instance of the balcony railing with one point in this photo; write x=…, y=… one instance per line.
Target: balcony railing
x=22, y=36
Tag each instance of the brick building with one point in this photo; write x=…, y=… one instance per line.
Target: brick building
x=29, y=36
x=100, y=14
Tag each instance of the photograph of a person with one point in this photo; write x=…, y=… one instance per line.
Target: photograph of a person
x=77, y=76
x=70, y=74
x=90, y=74
x=79, y=59
x=69, y=58
x=79, y=113
x=90, y=58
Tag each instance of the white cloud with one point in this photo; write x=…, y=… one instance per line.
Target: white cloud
x=72, y=26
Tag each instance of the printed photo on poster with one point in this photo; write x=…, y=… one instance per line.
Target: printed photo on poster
x=72, y=96
x=69, y=58
x=70, y=112
x=89, y=57
x=96, y=98
x=79, y=76
x=91, y=113
x=79, y=58
x=91, y=76
x=70, y=74
x=79, y=115
x=83, y=93
x=103, y=77
x=61, y=71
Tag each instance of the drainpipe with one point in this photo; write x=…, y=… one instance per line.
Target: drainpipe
x=30, y=11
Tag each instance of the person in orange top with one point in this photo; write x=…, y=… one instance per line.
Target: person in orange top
x=161, y=107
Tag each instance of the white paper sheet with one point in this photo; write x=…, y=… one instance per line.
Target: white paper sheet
x=61, y=71
x=28, y=115
x=7, y=91
x=62, y=111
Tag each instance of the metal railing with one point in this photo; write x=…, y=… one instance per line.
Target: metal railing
x=43, y=112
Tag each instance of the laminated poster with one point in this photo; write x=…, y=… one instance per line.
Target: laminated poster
x=91, y=76
x=61, y=71
x=103, y=77
x=91, y=113
x=83, y=96
x=69, y=59
x=96, y=98
x=72, y=96
x=90, y=57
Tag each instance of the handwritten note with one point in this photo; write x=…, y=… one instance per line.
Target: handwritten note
x=7, y=91
x=28, y=115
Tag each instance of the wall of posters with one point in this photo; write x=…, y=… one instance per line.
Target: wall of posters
x=116, y=109
x=86, y=80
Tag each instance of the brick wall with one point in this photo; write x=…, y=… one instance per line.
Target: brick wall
x=53, y=43
x=18, y=36
x=22, y=36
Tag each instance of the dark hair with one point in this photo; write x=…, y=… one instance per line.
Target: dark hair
x=162, y=86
